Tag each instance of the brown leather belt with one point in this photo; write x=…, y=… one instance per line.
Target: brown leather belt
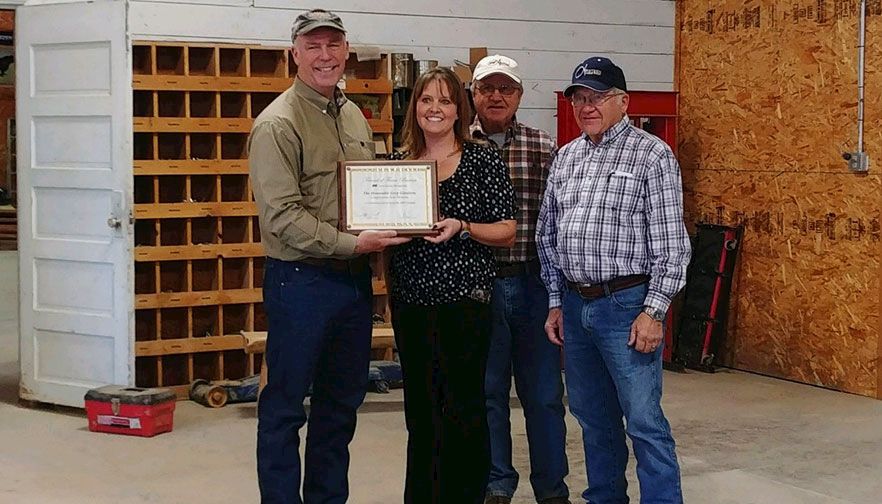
x=512, y=269
x=350, y=266
x=599, y=290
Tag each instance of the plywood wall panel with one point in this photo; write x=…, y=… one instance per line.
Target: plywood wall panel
x=768, y=106
x=807, y=291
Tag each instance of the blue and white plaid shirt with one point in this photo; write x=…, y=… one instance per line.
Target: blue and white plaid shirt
x=614, y=209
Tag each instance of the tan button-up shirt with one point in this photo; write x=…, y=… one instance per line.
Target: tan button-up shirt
x=293, y=151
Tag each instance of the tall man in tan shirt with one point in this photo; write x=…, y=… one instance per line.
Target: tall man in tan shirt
x=317, y=281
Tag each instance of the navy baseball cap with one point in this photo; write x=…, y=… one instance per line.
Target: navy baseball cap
x=598, y=74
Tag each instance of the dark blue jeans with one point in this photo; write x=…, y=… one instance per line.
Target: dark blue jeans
x=608, y=380
x=518, y=342
x=319, y=335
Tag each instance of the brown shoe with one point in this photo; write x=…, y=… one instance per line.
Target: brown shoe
x=497, y=499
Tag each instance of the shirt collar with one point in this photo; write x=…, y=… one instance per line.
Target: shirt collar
x=513, y=129
x=612, y=133
x=320, y=101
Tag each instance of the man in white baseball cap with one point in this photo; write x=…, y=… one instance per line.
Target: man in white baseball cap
x=519, y=300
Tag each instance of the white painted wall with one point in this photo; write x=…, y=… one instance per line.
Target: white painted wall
x=547, y=38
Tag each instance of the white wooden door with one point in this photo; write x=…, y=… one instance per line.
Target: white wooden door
x=73, y=103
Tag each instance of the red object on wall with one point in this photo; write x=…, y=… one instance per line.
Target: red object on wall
x=653, y=111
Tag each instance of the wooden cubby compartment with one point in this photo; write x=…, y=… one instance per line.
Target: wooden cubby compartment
x=144, y=190
x=145, y=233
x=147, y=372
x=142, y=104
x=235, y=364
x=205, y=321
x=255, y=230
x=142, y=59
x=170, y=60
x=204, y=275
x=203, y=146
x=260, y=322
x=146, y=328
x=234, y=105
x=173, y=323
x=204, y=230
x=203, y=104
x=235, y=229
x=145, y=278
x=171, y=146
x=203, y=188
x=234, y=188
x=292, y=66
x=235, y=319
x=143, y=147
x=234, y=145
x=171, y=103
x=267, y=63
x=205, y=366
x=235, y=276
x=172, y=189
x=172, y=232
x=202, y=60
x=260, y=101
x=172, y=278
x=174, y=370
x=369, y=69
x=232, y=62
x=258, y=268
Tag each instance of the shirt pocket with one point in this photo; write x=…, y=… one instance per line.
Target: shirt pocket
x=623, y=193
x=359, y=150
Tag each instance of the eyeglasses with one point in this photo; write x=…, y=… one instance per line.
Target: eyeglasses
x=595, y=100
x=504, y=90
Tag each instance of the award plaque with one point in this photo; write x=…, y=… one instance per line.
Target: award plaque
x=400, y=196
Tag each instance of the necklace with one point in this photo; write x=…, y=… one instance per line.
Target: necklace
x=456, y=150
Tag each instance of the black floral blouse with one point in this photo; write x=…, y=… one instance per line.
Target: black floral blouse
x=480, y=191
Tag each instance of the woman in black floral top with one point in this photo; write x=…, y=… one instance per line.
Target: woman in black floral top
x=440, y=298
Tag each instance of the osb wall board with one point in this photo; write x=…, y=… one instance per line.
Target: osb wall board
x=807, y=303
x=768, y=106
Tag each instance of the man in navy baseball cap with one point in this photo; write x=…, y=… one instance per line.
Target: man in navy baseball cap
x=614, y=251
x=598, y=74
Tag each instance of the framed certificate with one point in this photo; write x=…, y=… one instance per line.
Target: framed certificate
x=388, y=195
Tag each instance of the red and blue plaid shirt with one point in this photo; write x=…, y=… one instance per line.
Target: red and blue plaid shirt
x=527, y=152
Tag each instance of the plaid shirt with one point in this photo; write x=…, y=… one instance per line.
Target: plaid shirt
x=527, y=152
x=614, y=209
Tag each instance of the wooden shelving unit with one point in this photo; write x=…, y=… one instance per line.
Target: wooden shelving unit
x=198, y=259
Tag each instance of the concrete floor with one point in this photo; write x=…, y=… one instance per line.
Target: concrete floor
x=742, y=439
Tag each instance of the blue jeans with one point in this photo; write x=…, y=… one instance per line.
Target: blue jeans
x=518, y=341
x=608, y=380
x=320, y=335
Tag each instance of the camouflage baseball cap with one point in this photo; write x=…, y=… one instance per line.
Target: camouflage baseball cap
x=316, y=18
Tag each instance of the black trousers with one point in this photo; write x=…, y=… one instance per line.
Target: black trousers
x=443, y=351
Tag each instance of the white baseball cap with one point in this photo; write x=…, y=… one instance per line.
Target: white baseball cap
x=496, y=64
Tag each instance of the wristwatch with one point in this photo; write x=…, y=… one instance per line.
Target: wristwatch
x=654, y=314
x=465, y=231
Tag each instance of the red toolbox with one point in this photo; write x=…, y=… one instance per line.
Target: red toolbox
x=133, y=411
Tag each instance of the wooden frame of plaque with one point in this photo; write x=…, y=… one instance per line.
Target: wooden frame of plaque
x=401, y=196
